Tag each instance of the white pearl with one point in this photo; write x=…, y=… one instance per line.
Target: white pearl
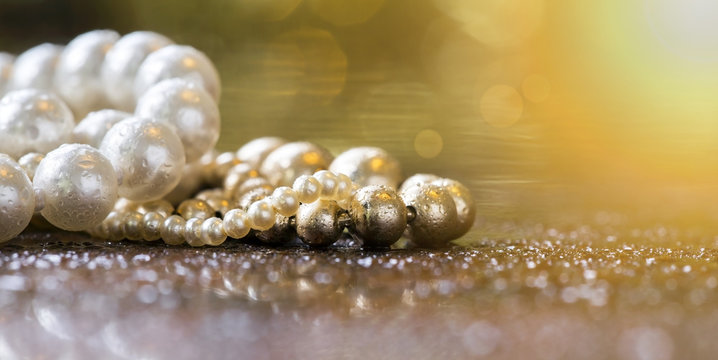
x=33, y=120
x=255, y=151
x=35, y=68
x=17, y=199
x=262, y=214
x=177, y=61
x=122, y=62
x=79, y=186
x=92, y=129
x=307, y=188
x=77, y=76
x=29, y=162
x=212, y=232
x=345, y=187
x=189, y=108
x=368, y=166
x=151, y=225
x=193, y=232
x=285, y=201
x=329, y=183
x=289, y=161
x=236, y=223
x=6, y=64
x=172, y=230
x=147, y=156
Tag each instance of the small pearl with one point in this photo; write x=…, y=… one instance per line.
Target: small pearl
x=465, y=207
x=236, y=223
x=262, y=214
x=251, y=184
x=345, y=187
x=290, y=161
x=318, y=223
x=33, y=120
x=79, y=186
x=368, y=166
x=252, y=196
x=194, y=208
x=177, y=61
x=417, y=179
x=152, y=225
x=77, y=76
x=255, y=151
x=285, y=201
x=17, y=199
x=193, y=232
x=132, y=225
x=153, y=166
x=216, y=200
x=188, y=108
x=113, y=224
x=329, y=183
x=29, y=162
x=122, y=62
x=35, y=68
x=172, y=230
x=378, y=215
x=436, y=218
x=307, y=188
x=6, y=65
x=161, y=207
x=236, y=176
x=92, y=129
x=212, y=232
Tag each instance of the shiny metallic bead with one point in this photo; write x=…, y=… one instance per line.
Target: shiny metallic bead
x=378, y=215
x=237, y=175
x=289, y=161
x=236, y=223
x=318, y=223
x=285, y=201
x=212, y=232
x=417, y=179
x=368, y=166
x=29, y=162
x=252, y=196
x=435, y=220
x=255, y=151
x=307, y=188
x=152, y=225
x=465, y=206
x=330, y=184
x=132, y=225
x=281, y=232
x=262, y=214
x=194, y=208
x=193, y=232
x=172, y=230
x=162, y=207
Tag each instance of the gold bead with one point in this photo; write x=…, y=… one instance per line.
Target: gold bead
x=378, y=215
x=172, y=230
x=465, y=206
x=255, y=151
x=368, y=166
x=289, y=161
x=417, y=179
x=195, y=208
x=281, y=232
x=435, y=220
x=318, y=223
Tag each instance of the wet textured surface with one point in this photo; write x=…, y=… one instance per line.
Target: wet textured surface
x=578, y=293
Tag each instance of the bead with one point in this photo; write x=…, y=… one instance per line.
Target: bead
x=216, y=200
x=212, y=232
x=251, y=184
x=147, y=156
x=435, y=220
x=33, y=120
x=465, y=207
x=35, y=68
x=152, y=225
x=285, y=201
x=113, y=224
x=262, y=214
x=193, y=232
x=17, y=199
x=378, y=215
x=289, y=161
x=194, y=208
x=221, y=166
x=172, y=230
x=190, y=182
x=122, y=62
x=189, y=109
x=29, y=162
x=307, y=188
x=237, y=175
x=281, y=232
x=177, y=61
x=329, y=184
x=92, y=129
x=252, y=196
x=417, y=179
x=162, y=207
x=255, y=151
x=6, y=65
x=77, y=76
x=79, y=186
x=368, y=166
x=345, y=187
x=132, y=225
x=236, y=223
x=318, y=223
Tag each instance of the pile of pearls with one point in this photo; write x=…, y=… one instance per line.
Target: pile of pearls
x=145, y=144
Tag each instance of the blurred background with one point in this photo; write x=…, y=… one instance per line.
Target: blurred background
x=549, y=110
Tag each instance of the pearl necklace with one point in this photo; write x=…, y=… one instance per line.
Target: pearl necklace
x=270, y=189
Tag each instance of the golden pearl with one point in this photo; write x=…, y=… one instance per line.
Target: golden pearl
x=151, y=225
x=465, y=207
x=132, y=225
x=255, y=151
x=368, y=166
x=195, y=208
x=281, y=232
x=417, y=179
x=378, y=215
x=435, y=220
x=289, y=161
x=318, y=223
x=172, y=230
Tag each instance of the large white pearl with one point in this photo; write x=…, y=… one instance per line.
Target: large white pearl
x=17, y=199
x=255, y=151
x=147, y=155
x=290, y=161
x=189, y=108
x=77, y=76
x=92, y=129
x=33, y=120
x=6, y=63
x=368, y=166
x=122, y=62
x=35, y=68
x=177, y=61
x=79, y=186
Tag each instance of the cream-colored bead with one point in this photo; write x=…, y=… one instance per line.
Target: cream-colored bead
x=289, y=161
x=368, y=166
x=132, y=225
x=255, y=151
x=212, y=232
x=251, y=184
x=115, y=229
x=262, y=214
x=345, y=187
x=172, y=230
x=252, y=196
x=220, y=167
x=329, y=183
x=162, y=207
x=216, y=200
x=29, y=162
x=236, y=223
x=194, y=208
x=193, y=232
x=307, y=188
x=152, y=225
x=236, y=176
x=285, y=201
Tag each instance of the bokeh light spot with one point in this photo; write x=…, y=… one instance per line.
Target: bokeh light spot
x=501, y=106
x=348, y=12
x=536, y=88
x=428, y=143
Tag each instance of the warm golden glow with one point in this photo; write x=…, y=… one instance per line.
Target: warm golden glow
x=311, y=158
x=428, y=143
x=501, y=106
